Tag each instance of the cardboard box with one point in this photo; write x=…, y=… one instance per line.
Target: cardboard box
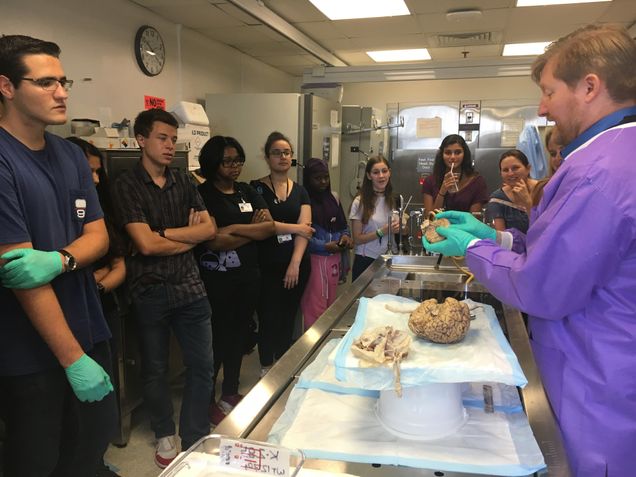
x=196, y=137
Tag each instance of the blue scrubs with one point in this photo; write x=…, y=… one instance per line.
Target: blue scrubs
x=46, y=197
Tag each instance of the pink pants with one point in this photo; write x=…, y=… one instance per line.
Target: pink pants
x=320, y=291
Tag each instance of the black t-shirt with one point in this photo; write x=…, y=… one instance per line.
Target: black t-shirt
x=226, y=211
x=287, y=211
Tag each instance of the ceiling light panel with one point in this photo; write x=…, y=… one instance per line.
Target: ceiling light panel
x=417, y=54
x=351, y=9
x=537, y=3
x=524, y=49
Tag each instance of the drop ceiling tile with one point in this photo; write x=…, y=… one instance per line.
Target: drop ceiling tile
x=397, y=42
x=295, y=11
x=355, y=58
x=197, y=16
x=291, y=60
x=339, y=44
x=549, y=23
x=271, y=48
x=244, y=34
x=320, y=31
x=239, y=14
x=382, y=27
x=442, y=6
x=152, y=4
x=456, y=52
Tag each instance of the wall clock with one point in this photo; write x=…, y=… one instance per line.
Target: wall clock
x=149, y=50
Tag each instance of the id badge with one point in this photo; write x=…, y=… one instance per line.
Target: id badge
x=245, y=207
x=282, y=238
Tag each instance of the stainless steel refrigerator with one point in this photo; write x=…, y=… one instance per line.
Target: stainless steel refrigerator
x=310, y=122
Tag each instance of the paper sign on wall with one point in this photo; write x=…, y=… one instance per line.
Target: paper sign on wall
x=428, y=127
x=510, y=130
x=335, y=150
x=152, y=102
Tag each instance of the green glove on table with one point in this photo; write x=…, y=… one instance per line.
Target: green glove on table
x=455, y=244
x=29, y=268
x=88, y=379
x=468, y=223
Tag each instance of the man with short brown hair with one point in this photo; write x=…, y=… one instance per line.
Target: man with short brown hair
x=575, y=271
x=164, y=215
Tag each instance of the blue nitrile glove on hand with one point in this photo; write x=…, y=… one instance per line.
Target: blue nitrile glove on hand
x=455, y=244
x=29, y=268
x=88, y=379
x=468, y=223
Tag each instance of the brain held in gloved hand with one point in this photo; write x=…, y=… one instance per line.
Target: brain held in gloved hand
x=429, y=226
x=446, y=322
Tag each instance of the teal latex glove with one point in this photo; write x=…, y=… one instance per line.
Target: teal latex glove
x=468, y=223
x=455, y=244
x=88, y=379
x=29, y=268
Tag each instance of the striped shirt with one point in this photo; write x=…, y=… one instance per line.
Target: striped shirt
x=139, y=200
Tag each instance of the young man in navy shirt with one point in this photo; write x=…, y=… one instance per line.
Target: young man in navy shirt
x=54, y=354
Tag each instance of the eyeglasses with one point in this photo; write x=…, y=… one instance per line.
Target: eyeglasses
x=233, y=161
x=50, y=83
x=281, y=153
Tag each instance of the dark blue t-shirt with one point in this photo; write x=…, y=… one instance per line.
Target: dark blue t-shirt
x=46, y=197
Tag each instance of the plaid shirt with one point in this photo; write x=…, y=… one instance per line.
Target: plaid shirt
x=138, y=199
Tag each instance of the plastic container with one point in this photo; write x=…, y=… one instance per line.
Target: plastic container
x=83, y=127
x=426, y=412
x=220, y=456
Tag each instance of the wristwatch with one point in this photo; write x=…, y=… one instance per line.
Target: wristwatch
x=70, y=264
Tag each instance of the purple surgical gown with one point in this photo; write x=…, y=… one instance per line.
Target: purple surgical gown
x=575, y=275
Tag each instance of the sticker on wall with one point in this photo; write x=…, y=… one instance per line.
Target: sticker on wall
x=153, y=102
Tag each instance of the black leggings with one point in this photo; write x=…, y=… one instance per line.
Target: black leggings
x=360, y=264
x=233, y=299
x=277, y=309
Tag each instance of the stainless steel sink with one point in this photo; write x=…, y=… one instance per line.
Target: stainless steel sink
x=435, y=276
x=427, y=272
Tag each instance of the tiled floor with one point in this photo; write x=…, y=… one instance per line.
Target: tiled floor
x=137, y=458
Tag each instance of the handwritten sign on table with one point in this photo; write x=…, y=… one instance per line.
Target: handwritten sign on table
x=264, y=460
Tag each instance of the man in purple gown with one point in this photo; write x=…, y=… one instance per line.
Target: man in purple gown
x=575, y=271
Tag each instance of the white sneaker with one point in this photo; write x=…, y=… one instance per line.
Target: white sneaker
x=265, y=370
x=166, y=451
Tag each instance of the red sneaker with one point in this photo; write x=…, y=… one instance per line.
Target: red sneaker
x=216, y=414
x=228, y=402
x=166, y=451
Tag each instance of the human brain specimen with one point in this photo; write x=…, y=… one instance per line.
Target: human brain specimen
x=429, y=226
x=446, y=322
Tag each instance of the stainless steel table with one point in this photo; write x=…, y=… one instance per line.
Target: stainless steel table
x=416, y=277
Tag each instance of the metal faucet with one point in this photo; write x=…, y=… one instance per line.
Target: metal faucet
x=389, y=241
x=415, y=232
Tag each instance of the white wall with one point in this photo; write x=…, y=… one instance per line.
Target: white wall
x=380, y=94
x=97, y=39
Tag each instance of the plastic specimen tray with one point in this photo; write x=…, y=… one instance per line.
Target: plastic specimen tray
x=221, y=456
